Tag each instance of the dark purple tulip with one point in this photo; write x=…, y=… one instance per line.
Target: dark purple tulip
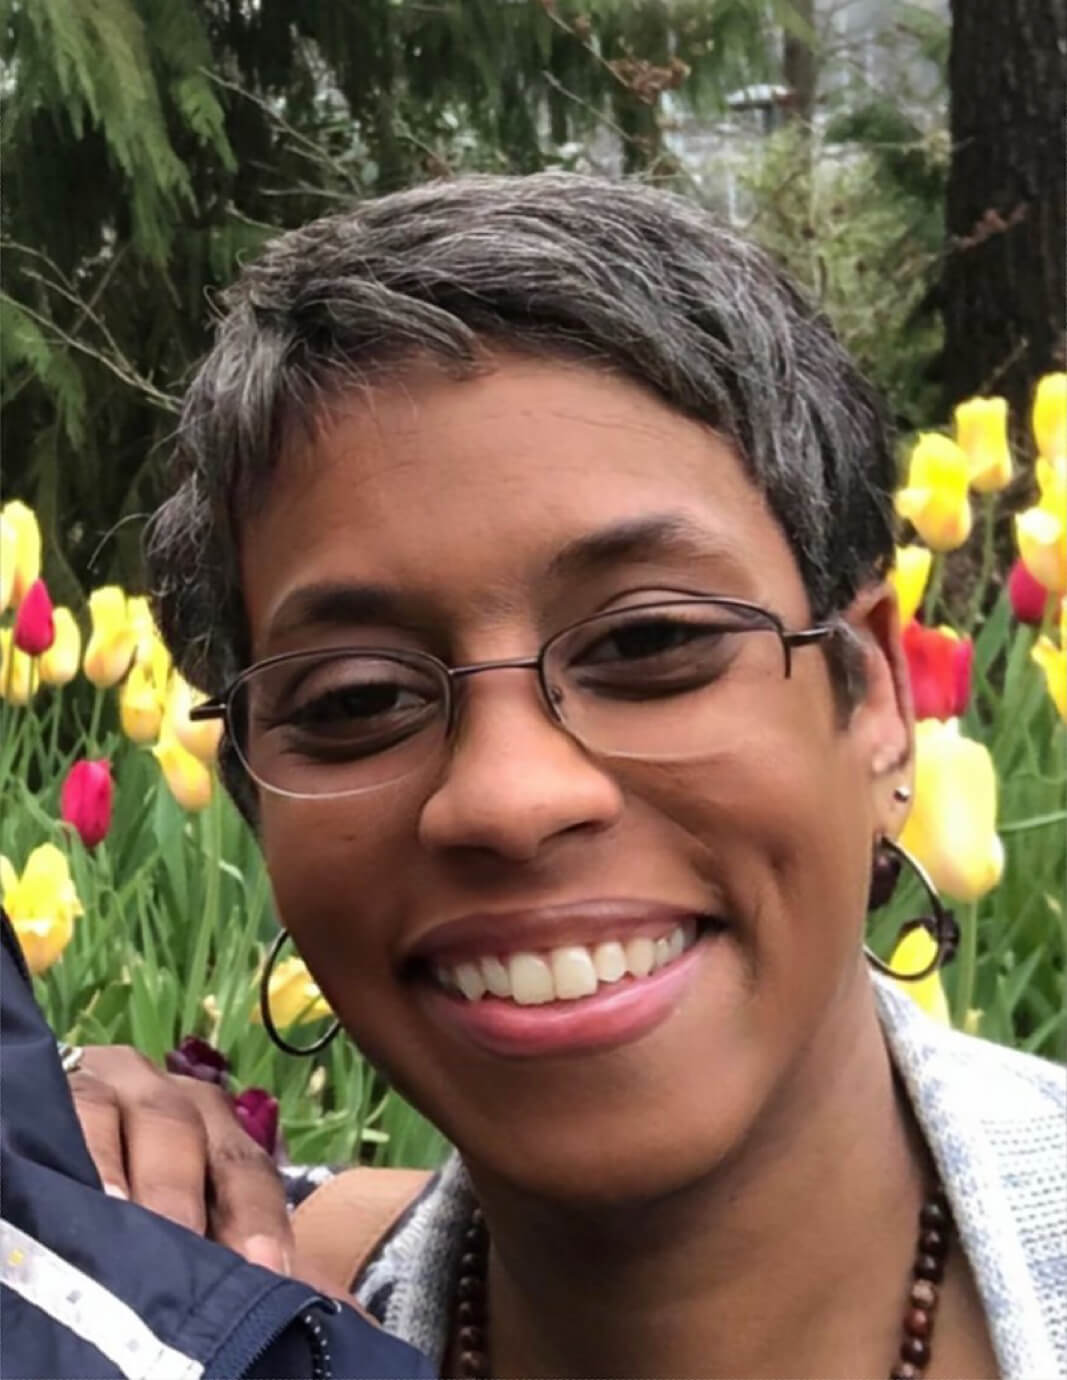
x=195, y=1058
x=257, y=1112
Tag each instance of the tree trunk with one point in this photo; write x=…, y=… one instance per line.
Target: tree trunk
x=1003, y=280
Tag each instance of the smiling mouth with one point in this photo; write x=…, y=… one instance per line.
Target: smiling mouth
x=567, y=972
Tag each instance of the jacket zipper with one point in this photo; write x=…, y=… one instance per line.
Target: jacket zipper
x=260, y=1328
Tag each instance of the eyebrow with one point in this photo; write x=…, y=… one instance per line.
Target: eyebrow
x=341, y=604
x=656, y=535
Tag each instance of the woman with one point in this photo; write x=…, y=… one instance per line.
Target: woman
x=532, y=534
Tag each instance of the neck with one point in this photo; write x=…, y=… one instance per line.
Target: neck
x=792, y=1258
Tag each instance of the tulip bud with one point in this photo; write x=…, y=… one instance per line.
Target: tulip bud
x=59, y=665
x=1041, y=531
x=8, y=550
x=27, y=566
x=35, y=628
x=982, y=433
x=1053, y=662
x=911, y=571
x=1050, y=416
x=42, y=905
x=293, y=995
x=935, y=498
x=86, y=798
x=140, y=705
x=112, y=641
x=939, y=669
x=257, y=1112
x=201, y=739
x=915, y=950
x=1028, y=596
x=951, y=829
x=19, y=676
x=189, y=780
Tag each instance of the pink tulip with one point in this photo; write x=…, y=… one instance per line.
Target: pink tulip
x=34, y=627
x=195, y=1058
x=86, y=799
x=1028, y=596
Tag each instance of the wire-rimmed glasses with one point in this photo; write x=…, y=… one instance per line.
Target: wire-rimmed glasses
x=648, y=681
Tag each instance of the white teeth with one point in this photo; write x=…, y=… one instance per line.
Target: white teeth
x=531, y=980
x=469, y=980
x=609, y=960
x=567, y=973
x=640, y=956
x=573, y=973
x=496, y=977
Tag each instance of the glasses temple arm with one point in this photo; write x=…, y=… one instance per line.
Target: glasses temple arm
x=210, y=709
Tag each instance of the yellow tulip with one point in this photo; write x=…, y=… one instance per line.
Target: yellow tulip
x=911, y=571
x=294, y=995
x=1049, y=416
x=982, y=433
x=1041, y=531
x=1053, y=662
x=42, y=904
x=19, y=673
x=913, y=952
x=140, y=705
x=113, y=639
x=934, y=500
x=201, y=739
x=189, y=780
x=27, y=567
x=952, y=826
x=8, y=550
x=59, y=664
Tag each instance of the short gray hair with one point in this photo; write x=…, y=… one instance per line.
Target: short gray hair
x=555, y=264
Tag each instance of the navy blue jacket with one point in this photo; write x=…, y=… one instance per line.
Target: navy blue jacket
x=94, y=1288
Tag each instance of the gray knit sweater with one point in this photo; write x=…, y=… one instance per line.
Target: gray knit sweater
x=995, y=1124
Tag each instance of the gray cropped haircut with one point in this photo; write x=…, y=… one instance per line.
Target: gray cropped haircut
x=616, y=273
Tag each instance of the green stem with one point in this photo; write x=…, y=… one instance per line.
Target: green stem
x=57, y=714
x=94, y=722
x=986, y=567
x=933, y=589
x=968, y=964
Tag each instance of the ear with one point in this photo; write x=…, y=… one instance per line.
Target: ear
x=882, y=720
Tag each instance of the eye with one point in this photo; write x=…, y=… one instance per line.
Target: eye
x=645, y=638
x=644, y=655
x=346, y=706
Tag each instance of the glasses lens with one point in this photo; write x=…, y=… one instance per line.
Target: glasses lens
x=661, y=680
x=336, y=723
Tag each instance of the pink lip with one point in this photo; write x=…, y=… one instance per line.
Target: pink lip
x=614, y=1015
x=546, y=927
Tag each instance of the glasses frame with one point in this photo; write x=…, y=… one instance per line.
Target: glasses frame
x=222, y=706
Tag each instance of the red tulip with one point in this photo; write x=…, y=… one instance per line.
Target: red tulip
x=257, y=1112
x=34, y=628
x=85, y=800
x=1028, y=596
x=939, y=667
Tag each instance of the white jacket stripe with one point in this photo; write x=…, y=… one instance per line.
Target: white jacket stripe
x=88, y=1310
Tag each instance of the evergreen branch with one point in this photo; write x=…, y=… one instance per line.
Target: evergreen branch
x=303, y=146
x=121, y=368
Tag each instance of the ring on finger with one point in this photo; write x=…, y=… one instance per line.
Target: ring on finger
x=70, y=1056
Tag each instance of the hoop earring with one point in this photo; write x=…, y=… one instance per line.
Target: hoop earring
x=941, y=924
x=265, y=1012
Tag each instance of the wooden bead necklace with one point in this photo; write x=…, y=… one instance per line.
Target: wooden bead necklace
x=471, y=1328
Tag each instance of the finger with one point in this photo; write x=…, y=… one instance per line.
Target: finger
x=101, y=1121
x=166, y=1156
x=247, y=1196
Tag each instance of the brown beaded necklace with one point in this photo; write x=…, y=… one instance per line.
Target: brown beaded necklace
x=471, y=1327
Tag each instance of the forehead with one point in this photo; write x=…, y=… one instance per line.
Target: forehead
x=475, y=492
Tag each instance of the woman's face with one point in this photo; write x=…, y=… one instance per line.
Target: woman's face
x=487, y=514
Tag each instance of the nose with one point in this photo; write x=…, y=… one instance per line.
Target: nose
x=515, y=779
